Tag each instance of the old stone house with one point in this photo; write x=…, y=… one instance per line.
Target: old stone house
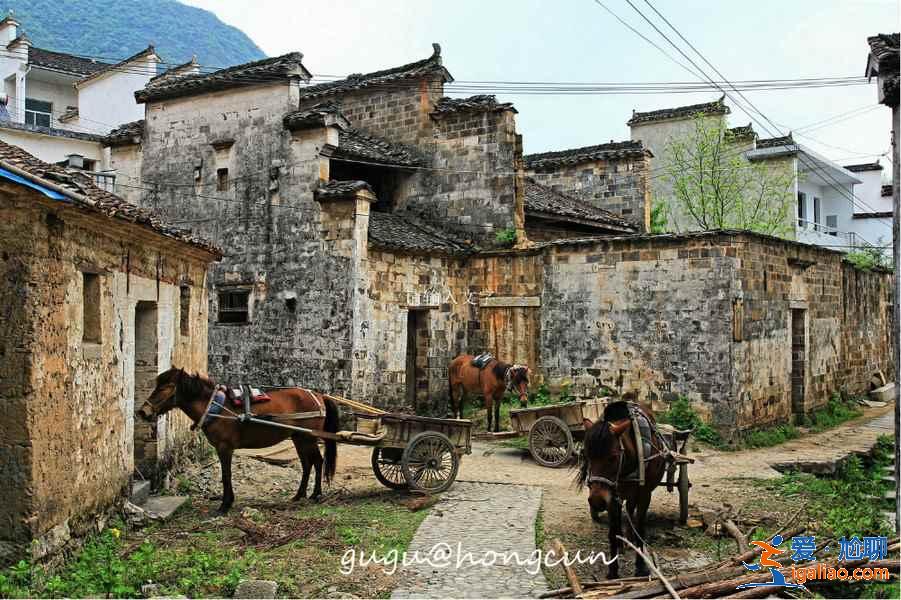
x=366, y=222
x=98, y=296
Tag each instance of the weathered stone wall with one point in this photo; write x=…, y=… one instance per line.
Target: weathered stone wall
x=650, y=316
x=472, y=189
x=126, y=161
x=68, y=435
x=280, y=245
x=620, y=186
x=867, y=325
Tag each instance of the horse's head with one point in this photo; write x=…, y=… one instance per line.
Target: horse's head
x=604, y=455
x=164, y=396
x=519, y=382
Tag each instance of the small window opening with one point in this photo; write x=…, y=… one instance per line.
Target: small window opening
x=291, y=305
x=90, y=306
x=38, y=112
x=385, y=181
x=233, y=306
x=802, y=208
x=832, y=224
x=184, y=310
x=222, y=180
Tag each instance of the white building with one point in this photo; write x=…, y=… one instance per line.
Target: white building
x=59, y=106
x=873, y=211
x=826, y=192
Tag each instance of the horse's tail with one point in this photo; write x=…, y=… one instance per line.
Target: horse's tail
x=331, y=425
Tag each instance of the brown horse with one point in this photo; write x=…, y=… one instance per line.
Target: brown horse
x=192, y=394
x=491, y=381
x=609, y=467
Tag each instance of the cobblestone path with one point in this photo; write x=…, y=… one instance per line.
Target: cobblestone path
x=478, y=518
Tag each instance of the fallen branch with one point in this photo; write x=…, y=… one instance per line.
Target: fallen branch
x=733, y=530
x=574, y=583
x=652, y=567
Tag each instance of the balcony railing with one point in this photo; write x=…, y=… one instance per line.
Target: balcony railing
x=811, y=232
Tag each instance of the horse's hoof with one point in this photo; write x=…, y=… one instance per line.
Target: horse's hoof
x=223, y=510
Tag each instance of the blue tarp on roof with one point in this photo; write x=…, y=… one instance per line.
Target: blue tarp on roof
x=35, y=186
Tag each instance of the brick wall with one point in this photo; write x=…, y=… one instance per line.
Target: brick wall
x=620, y=186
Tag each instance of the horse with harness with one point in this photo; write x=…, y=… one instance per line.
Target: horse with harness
x=485, y=375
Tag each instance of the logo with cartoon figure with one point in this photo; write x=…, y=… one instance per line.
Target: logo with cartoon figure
x=769, y=550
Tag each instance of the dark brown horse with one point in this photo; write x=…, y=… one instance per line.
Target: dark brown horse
x=609, y=468
x=491, y=381
x=192, y=394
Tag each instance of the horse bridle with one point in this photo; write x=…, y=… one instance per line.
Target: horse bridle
x=613, y=484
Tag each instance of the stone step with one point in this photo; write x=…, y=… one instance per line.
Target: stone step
x=140, y=491
x=162, y=507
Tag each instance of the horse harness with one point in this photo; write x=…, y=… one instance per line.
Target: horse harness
x=482, y=361
x=636, y=416
x=217, y=403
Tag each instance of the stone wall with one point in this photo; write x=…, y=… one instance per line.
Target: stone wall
x=620, y=186
x=68, y=439
x=280, y=247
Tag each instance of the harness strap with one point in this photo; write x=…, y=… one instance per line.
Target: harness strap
x=601, y=480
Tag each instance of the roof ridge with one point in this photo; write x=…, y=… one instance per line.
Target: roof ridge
x=715, y=107
x=360, y=80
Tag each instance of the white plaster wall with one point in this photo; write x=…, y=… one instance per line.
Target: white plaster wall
x=51, y=148
x=109, y=101
x=61, y=95
x=833, y=201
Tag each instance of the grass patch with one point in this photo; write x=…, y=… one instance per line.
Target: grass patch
x=681, y=415
x=199, y=557
x=764, y=438
x=836, y=412
x=844, y=505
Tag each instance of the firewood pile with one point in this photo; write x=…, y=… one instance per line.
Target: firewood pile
x=719, y=580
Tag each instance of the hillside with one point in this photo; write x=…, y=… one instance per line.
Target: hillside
x=113, y=29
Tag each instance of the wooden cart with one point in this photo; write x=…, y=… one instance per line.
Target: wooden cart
x=677, y=440
x=555, y=430
x=419, y=453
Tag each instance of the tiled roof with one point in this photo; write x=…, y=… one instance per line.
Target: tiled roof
x=874, y=215
x=65, y=63
x=187, y=68
x=268, y=70
x=873, y=166
x=148, y=51
x=87, y=196
x=358, y=81
x=66, y=133
x=473, y=104
x=775, y=142
x=742, y=131
x=887, y=190
x=319, y=115
x=717, y=107
x=127, y=133
x=391, y=231
x=613, y=150
x=543, y=201
x=337, y=190
x=356, y=145
x=884, y=48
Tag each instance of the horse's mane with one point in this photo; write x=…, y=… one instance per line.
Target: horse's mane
x=593, y=446
x=193, y=384
x=500, y=369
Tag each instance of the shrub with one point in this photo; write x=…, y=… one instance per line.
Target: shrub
x=506, y=237
x=682, y=416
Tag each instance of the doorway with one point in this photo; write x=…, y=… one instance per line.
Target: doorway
x=799, y=359
x=145, y=372
x=417, y=370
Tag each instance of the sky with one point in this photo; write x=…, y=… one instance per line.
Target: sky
x=578, y=41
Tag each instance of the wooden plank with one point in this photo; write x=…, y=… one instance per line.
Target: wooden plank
x=510, y=301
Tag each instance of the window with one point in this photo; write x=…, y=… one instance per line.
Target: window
x=222, y=180
x=38, y=112
x=816, y=212
x=184, y=310
x=832, y=224
x=90, y=308
x=802, y=208
x=233, y=306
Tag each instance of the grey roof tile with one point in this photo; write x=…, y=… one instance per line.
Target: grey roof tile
x=473, y=104
x=277, y=69
x=384, y=77
x=87, y=196
x=125, y=134
x=402, y=233
x=338, y=190
x=63, y=62
x=574, y=156
x=717, y=107
x=546, y=202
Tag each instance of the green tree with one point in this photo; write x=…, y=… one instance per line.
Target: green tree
x=715, y=187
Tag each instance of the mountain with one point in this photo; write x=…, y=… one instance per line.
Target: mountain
x=115, y=29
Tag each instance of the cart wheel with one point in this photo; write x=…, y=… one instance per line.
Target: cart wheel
x=550, y=442
x=683, y=493
x=387, y=470
x=430, y=462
